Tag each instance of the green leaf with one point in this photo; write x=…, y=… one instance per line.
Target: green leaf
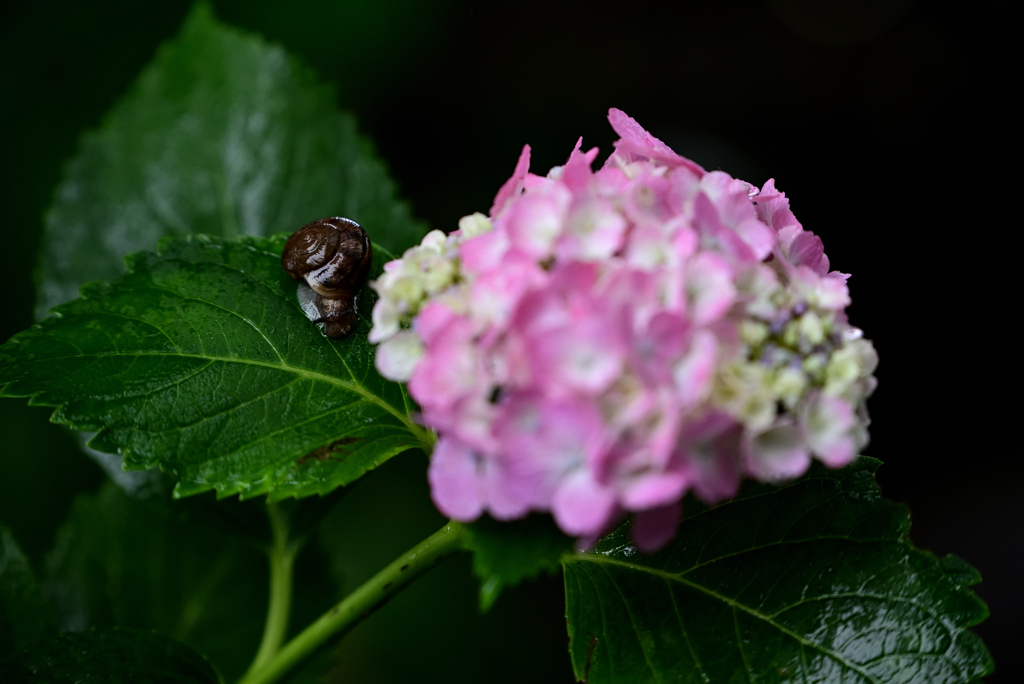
x=506, y=553
x=200, y=361
x=143, y=564
x=814, y=581
x=222, y=134
x=24, y=616
x=109, y=656
x=148, y=564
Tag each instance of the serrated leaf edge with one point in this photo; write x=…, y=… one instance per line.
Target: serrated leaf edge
x=863, y=464
x=136, y=260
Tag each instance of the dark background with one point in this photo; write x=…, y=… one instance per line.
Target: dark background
x=886, y=122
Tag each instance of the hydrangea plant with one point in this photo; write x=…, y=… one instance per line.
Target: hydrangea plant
x=641, y=377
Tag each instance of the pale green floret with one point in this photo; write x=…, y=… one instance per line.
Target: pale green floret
x=851, y=363
x=419, y=260
x=742, y=389
x=828, y=323
x=761, y=287
x=758, y=411
x=456, y=298
x=438, y=273
x=397, y=357
x=811, y=328
x=428, y=270
x=424, y=270
x=386, y=320
x=434, y=241
x=789, y=386
x=408, y=291
x=867, y=353
x=473, y=225
x=843, y=370
x=780, y=299
x=753, y=333
x=791, y=334
x=814, y=365
x=812, y=354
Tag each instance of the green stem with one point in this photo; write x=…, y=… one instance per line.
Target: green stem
x=282, y=561
x=361, y=603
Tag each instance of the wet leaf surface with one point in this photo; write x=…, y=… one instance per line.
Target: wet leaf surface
x=814, y=581
x=200, y=361
x=109, y=656
x=222, y=134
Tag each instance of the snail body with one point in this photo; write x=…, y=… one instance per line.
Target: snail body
x=332, y=256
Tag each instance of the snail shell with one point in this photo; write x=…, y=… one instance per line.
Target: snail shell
x=332, y=256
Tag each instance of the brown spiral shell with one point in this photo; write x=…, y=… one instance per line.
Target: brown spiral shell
x=332, y=255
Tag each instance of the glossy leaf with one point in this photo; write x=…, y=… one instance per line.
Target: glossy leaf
x=506, y=553
x=814, y=581
x=200, y=361
x=109, y=656
x=123, y=562
x=149, y=564
x=24, y=616
x=222, y=134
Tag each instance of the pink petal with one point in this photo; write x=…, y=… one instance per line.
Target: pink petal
x=514, y=185
x=586, y=355
x=772, y=208
x=757, y=235
x=507, y=497
x=454, y=480
x=451, y=369
x=808, y=250
x=545, y=439
x=709, y=287
x=636, y=142
x=593, y=230
x=581, y=506
x=484, y=252
x=432, y=319
x=831, y=427
x=534, y=221
x=652, y=490
x=496, y=293
x=778, y=453
x=577, y=175
x=568, y=291
x=716, y=235
x=469, y=420
x=708, y=452
x=654, y=528
x=646, y=199
x=693, y=373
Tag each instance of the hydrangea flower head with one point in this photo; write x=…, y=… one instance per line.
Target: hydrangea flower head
x=606, y=341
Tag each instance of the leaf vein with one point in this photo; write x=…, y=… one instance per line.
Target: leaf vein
x=309, y=374
x=632, y=622
x=682, y=629
x=781, y=542
x=605, y=560
x=739, y=646
x=236, y=314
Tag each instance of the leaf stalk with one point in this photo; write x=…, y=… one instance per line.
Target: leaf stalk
x=360, y=604
x=281, y=554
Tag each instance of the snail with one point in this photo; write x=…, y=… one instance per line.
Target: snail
x=332, y=255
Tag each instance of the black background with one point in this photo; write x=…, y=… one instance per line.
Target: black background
x=887, y=123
